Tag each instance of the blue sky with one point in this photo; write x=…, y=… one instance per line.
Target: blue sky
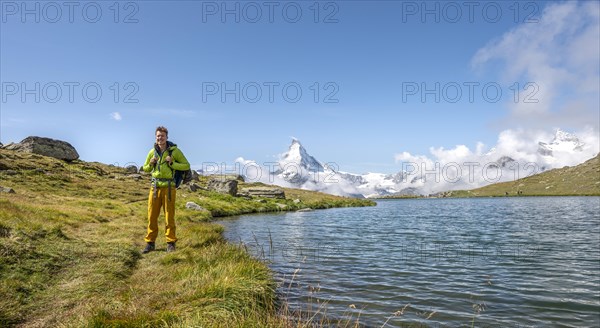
x=166, y=63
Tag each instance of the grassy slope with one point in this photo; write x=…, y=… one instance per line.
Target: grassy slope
x=69, y=252
x=580, y=180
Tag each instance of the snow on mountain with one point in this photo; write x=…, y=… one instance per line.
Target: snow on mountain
x=515, y=156
x=562, y=142
x=296, y=154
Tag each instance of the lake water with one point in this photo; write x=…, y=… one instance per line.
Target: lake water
x=494, y=262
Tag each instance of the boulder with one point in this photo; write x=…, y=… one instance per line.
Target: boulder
x=46, y=147
x=131, y=169
x=223, y=185
x=193, y=186
x=232, y=177
x=195, y=175
x=265, y=192
x=194, y=206
x=7, y=190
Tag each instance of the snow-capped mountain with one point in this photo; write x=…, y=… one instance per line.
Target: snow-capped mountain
x=507, y=161
x=562, y=142
x=295, y=163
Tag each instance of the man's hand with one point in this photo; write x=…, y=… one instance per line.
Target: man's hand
x=169, y=160
x=154, y=160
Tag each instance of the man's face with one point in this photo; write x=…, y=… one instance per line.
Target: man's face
x=161, y=138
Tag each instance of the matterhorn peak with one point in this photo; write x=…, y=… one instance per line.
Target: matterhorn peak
x=297, y=154
x=295, y=151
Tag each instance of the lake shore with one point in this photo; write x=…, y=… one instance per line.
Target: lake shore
x=71, y=235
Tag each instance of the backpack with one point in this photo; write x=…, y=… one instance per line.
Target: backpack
x=180, y=176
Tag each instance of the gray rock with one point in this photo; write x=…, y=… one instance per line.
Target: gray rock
x=265, y=192
x=194, y=206
x=223, y=185
x=281, y=206
x=131, y=169
x=232, y=176
x=193, y=187
x=195, y=175
x=7, y=190
x=9, y=145
x=308, y=209
x=46, y=147
x=296, y=201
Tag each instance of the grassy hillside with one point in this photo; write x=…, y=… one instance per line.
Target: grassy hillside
x=70, y=240
x=580, y=180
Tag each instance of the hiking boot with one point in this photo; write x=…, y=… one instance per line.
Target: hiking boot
x=149, y=248
x=170, y=247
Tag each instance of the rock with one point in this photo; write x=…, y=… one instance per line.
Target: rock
x=131, y=169
x=223, y=185
x=135, y=176
x=281, y=206
x=194, y=206
x=265, y=192
x=46, y=147
x=9, y=145
x=296, y=201
x=195, y=175
x=193, y=187
x=233, y=177
x=7, y=190
x=308, y=209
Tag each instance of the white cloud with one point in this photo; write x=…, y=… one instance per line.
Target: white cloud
x=515, y=155
x=521, y=145
x=116, y=116
x=561, y=55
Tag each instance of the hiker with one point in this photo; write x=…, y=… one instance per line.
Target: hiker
x=162, y=161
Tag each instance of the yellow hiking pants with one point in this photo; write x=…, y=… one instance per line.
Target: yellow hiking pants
x=154, y=205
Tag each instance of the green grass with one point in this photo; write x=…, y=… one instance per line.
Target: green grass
x=69, y=252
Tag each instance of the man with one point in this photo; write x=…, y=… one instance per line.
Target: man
x=163, y=160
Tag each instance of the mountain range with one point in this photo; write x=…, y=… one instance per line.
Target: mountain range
x=419, y=175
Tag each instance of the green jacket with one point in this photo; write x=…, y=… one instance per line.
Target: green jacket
x=162, y=169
